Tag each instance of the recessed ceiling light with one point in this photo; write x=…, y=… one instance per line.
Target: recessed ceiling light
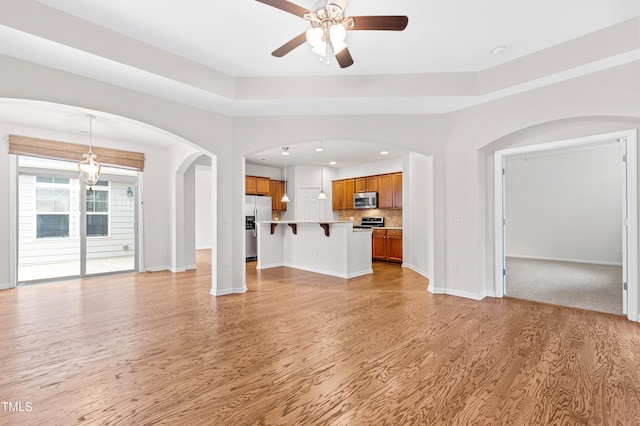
x=498, y=50
x=384, y=152
x=333, y=163
x=319, y=149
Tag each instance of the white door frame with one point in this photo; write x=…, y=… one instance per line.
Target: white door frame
x=630, y=222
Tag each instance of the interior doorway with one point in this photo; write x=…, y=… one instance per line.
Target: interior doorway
x=566, y=227
x=308, y=205
x=66, y=229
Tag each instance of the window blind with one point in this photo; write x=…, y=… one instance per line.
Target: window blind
x=54, y=150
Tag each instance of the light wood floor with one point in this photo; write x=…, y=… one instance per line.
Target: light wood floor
x=300, y=348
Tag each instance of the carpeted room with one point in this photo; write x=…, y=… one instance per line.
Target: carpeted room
x=563, y=226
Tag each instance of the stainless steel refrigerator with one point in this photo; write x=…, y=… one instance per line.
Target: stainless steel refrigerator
x=256, y=209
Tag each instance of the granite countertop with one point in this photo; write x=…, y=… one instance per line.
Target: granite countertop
x=303, y=221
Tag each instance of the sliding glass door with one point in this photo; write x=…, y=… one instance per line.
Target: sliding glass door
x=110, y=227
x=48, y=224
x=67, y=229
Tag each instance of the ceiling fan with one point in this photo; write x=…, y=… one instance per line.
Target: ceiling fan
x=329, y=28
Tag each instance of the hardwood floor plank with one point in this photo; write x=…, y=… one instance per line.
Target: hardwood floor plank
x=301, y=348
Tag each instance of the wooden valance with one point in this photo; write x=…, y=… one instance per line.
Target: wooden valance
x=54, y=150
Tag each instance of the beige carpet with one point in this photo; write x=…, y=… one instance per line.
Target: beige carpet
x=579, y=285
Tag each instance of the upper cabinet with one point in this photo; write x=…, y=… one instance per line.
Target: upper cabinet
x=276, y=191
x=342, y=194
x=256, y=185
x=396, y=184
x=390, y=191
x=385, y=192
x=388, y=187
x=367, y=184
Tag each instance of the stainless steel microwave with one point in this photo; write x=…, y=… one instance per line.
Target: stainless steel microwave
x=365, y=200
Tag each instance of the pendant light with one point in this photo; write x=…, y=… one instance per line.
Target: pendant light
x=322, y=195
x=89, y=168
x=285, y=152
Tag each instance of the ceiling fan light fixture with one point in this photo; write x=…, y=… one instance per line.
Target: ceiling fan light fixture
x=329, y=25
x=337, y=32
x=320, y=49
x=315, y=36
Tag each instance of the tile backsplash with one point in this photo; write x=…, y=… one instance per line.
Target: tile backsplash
x=392, y=218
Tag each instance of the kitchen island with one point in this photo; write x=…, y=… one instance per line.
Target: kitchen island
x=324, y=247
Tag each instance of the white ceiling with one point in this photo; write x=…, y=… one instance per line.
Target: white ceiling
x=231, y=42
x=237, y=36
x=344, y=153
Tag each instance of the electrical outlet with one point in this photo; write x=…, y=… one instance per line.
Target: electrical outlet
x=454, y=270
x=618, y=250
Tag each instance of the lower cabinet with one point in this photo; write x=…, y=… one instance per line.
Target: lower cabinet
x=386, y=244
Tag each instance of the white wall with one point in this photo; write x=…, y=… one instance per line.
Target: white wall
x=190, y=217
x=274, y=173
x=203, y=207
x=565, y=204
x=392, y=165
x=418, y=214
x=309, y=177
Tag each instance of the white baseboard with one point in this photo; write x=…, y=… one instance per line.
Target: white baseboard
x=157, y=268
x=227, y=291
x=360, y=273
x=273, y=265
x=418, y=270
x=317, y=270
x=331, y=273
x=555, y=259
x=457, y=293
x=172, y=269
x=6, y=286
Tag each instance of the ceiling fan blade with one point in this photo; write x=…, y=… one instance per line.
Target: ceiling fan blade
x=290, y=45
x=344, y=58
x=389, y=23
x=287, y=6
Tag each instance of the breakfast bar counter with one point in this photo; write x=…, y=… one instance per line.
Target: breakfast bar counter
x=324, y=247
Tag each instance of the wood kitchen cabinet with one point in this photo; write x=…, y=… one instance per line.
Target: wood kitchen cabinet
x=379, y=244
x=342, y=194
x=390, y=191
x=367, y=184
x=256, y=185
x=394, y=245
x=276, y=191
x=386, y=244
x=396, y=183
x=388, y=187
